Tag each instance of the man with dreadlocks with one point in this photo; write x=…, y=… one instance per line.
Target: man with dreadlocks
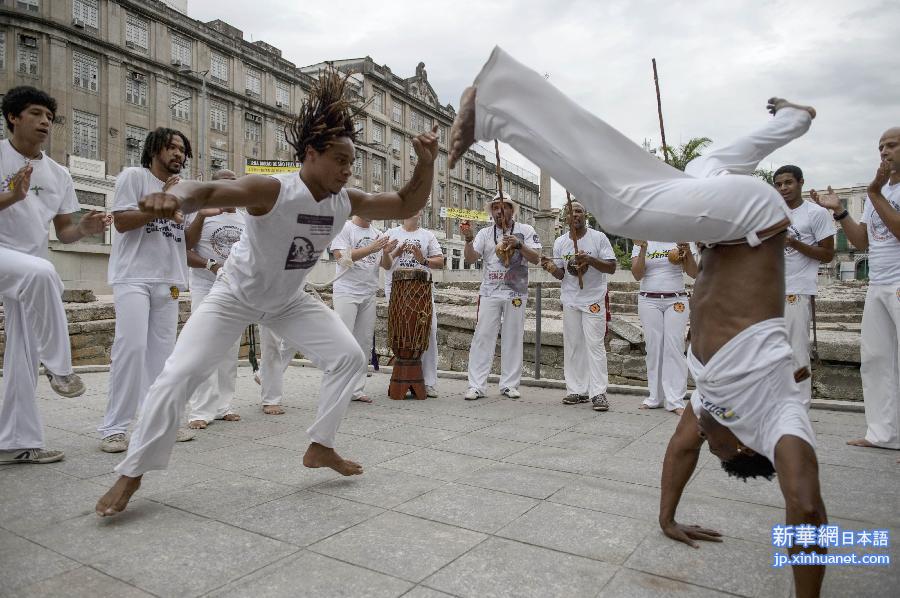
x=147, y=267
x=291, y=220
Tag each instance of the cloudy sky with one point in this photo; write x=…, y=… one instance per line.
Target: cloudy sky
x=718, y=61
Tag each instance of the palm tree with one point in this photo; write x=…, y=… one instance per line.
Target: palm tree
x=681, y=156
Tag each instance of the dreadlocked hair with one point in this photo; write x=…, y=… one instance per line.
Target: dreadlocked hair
x=324, y=116
x=157, y=140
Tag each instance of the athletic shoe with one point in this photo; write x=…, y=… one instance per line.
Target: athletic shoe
x=117, y=443
x=184, y=435
x=431, y=391
x=512, y=393
x=600, y=403
x=473, y=394
x=574, y=399
x=69, y=386
x=30, y=456
x=256, y=378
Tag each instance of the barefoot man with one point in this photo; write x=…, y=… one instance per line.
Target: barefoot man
x=291, y=219
x=747, y=402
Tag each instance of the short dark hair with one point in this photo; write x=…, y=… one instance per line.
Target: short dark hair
x=746, y=465
x=158, y=140
x=324, y=116
x=19, y=98
x=789, y=169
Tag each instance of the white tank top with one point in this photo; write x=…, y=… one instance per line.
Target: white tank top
x=268, y=265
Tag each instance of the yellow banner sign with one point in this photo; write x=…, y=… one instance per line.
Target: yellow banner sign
x=464, y=214
x=270, y=166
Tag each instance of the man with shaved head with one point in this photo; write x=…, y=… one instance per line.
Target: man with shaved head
x=878, y=232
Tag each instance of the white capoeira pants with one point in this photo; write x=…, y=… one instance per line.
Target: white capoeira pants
x=304, y=322
x=491, y=310
x=664, y=325
x=358, y=315
x=212, y=399
x=797, y=318
x=146, y=326
x=430, y=356
x=584, y=354
x=36, y=331
x=275, y=357
x=638, y=195
x=880, y=369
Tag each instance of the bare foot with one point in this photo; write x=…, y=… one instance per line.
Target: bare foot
x=646, y=406
x=776, y=104
x=462, y=134
x=318, y=455
x=862, y=442
x=116, y=498
x=273, y=409
x=678, y=411
x=231, y=417
x=363, y=399
x=197, y=424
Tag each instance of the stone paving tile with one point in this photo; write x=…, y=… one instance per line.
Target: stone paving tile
x=400, y=545
x=423, y=592
x=518, y=432
x=506, y=569
x=415, y=435
x=25, y=563
x=611, y=496
x=180, y=474
x=35, y=497
x=245, y=455
x=365, y=426
x=715, y=482
x=591, y=443
x=478, y=444
x=612, y=427
x=224, y=494
x=635, y=584
x=437, y=464
x=82, y=582
x=517, y=479
x=290, y=472
x=79, y=420
x=301, y=518
x=554, y=421
x=469, y=507
x=371, y=451
x=379, y=486
x=848, y=493
x=316, y=576
x=582, y=532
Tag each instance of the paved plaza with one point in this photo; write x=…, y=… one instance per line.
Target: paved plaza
x=471, y=499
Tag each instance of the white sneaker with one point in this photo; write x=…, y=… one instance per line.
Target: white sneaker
x=512, y=393
x=473, y=394
x=116, y=443
x=184, y=435
x=69, y=386
x=431, y=391
x=30, y=456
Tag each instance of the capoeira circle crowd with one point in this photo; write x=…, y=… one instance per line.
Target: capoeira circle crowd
x=244, y=247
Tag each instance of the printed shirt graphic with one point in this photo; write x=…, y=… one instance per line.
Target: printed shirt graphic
x=810, y=223
x=423, y=239
x=268, y=265
x=499, y=280
x=884, y=247
x=661, y=275
x=362, y=279
x=595, y=244
x=219, y=233
x=154, y=252
x=25, y=225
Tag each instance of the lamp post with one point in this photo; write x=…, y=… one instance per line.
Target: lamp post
x=201, y=139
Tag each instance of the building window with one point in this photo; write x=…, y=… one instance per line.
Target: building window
x=395, y=175
x=359, y=164
x=85, y=127
x=181, y=104
x=442, y=163
x=396, y=143
x=136, y=88
x=454, y=196
x=282, y=94
x=134, y=142
x=84, y=71
x=30, y=5
x=253, y=128
x=415, y=120
x=396, y=111
x=468, y=173
x=254, y=82
x=85, y=13
x=281, y=143
x=137, y=32
x=181, y=51
x=378, y=101
x=360, y=126
x=28, y=55
x=218, y=67
x=2, y=50
x=377, y=170
x=479, y=176
x=218, y=117
x=218, y=159
x=378, y=133
x=468, y=199
x=442, y=135
x=412, y=154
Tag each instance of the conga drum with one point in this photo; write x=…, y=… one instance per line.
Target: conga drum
x=409, y=326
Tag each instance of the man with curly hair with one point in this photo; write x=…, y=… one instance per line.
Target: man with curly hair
x=291, y=219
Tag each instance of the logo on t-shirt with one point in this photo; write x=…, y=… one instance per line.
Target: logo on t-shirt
x=318, y=225
x=223, y=238
x=795, y=233
x=167, y=228
x=302, y=255
x=365, y=242
x=879, y=230
x=719, y=412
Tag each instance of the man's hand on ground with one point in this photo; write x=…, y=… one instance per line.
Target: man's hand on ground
x=689, y=533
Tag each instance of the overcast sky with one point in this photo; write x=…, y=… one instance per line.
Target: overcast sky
x=718, y=60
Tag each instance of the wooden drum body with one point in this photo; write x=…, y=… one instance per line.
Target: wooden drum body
x=409, y=329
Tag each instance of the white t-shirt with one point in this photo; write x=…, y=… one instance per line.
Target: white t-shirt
x=153, y=253
x=884, y=247
x=362, y=279
x=422, y=238
x=810, y=223
x=25, y=225
x=661, y=275
x=497, y=279
x=219, y=233
x=748, y=386
x=269, y=263
x=595, y=244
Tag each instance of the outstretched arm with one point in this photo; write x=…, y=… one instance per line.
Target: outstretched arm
x=412, y=197
x=680, y=462
x=257, y=193
x=855, y=231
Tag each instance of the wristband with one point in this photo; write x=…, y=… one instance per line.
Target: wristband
x=842, y=215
